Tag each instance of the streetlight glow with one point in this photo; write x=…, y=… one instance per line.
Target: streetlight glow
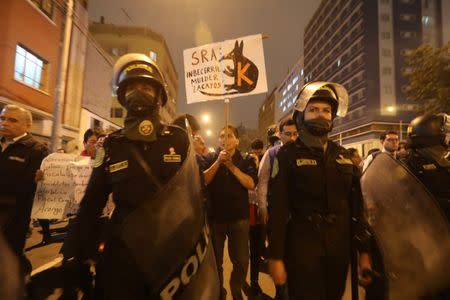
x=390, y=109
x=205, y=118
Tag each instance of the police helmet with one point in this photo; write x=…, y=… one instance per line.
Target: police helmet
x=333, y=93
x=429, y=130
x=133, y=67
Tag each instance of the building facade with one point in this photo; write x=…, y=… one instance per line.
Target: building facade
x=119, y=40
x=28, y=66
x=362, y=45
x=288, y=90
x=266, y=114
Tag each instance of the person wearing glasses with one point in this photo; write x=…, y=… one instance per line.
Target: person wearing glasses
x=389, y=142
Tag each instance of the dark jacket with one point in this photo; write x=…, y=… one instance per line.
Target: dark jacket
x=310, y=218
x=312, y=191
x=227, y=197
x=18, y=165
x=435, y=177
x=122, y=172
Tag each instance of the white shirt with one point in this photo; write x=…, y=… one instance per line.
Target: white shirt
x=369, y=158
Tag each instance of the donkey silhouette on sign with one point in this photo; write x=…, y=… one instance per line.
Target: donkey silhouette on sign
x=244, y=72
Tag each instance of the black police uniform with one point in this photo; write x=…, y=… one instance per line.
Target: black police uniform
x=133, y=171
x=310, y=220
x=435, y=177
x=18, y=165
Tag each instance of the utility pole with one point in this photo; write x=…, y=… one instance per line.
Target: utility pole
x=55, y=140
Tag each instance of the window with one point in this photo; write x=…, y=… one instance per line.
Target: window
x=153, y=55
x=407, y=17
x=406, y=52
x=385, y=35
x=388, y=89
x=426, y=20
x=385, y=17
x=116, y=112
x=29, y=68
x=386, y=70
x=385, y=52
x=46, y=6
x=407, y=34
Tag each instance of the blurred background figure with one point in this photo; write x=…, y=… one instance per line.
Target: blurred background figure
x=355, y=157
x=402, y=152
x=89, y=141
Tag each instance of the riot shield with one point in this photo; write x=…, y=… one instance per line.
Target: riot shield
x=169, y=239
x=410, y=229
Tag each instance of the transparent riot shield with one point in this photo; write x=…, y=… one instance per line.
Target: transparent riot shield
x=169, y=239
x=410, y=229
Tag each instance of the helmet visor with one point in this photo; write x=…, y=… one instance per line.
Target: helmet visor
x=308, y=91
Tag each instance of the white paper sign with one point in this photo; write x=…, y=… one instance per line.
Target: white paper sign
x=228, y=69
x=65, y=180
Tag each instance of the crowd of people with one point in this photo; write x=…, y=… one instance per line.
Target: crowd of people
x=294, y=208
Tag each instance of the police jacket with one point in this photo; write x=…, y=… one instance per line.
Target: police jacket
x=133, y=171
x=18, y=165
x=312, y=193
x=435, y=178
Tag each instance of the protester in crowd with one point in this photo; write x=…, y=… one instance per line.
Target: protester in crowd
x=355, y=157
x=89, y=141
x=315, y=185
x=389, y=142
x=20, y=158
x=402, y=152
x=288, y=133
x=228, y=177
x=256, y=230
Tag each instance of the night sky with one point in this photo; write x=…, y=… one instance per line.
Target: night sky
x=190, y=23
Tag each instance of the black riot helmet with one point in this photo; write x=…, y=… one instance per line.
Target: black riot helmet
x=429, y=130
x=134, y=67
x=333, y=93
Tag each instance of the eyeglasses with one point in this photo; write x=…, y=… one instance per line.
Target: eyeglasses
x=290, y=134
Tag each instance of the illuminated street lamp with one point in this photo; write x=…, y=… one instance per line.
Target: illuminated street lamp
x=390, y=109
x=205, y=118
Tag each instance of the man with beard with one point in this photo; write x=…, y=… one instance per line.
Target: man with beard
x=152, y=231
x=316, y=187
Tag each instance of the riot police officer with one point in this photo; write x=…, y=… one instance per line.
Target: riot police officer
x=314, y=182
x=158, y=244
x=428, y=156
x=429, y=160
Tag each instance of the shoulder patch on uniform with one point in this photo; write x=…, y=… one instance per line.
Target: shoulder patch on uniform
x=99, y=157
x=306, y=162
x=118, y=166
x=429, y=167
x=275, y=168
